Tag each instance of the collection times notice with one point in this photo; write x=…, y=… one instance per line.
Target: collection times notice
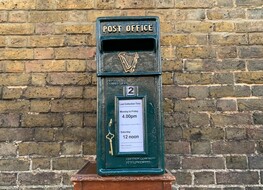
x=131, y=129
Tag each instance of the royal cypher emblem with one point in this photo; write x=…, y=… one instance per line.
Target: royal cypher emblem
x=128, y=61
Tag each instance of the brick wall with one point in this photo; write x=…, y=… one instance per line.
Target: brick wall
x=212, y=57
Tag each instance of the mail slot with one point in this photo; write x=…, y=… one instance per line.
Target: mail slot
x=129, y=111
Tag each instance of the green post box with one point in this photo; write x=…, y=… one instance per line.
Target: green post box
x=129, y=112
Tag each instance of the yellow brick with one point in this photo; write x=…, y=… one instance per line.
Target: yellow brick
x=194, y=65
x=168, y=52
x=195, y=52
x=12, y=93
x=102, y=4
x=224, y=27
x=190, y=14
x=76, y=40
x=167, y=27
x=43, y=92
x=167, y=78
x=14, y=66
x=48, y=16
x=14, y=54
x=38, y=79
x=229, y=39
x=17, y=41
x=45, y=28
x=256, y=38
x=46, y=41
x=72, y=92
x=219, y=14
x=90, y=92
x=197, y=39
x=76, y=65
x=224, y=52
x=249, y=77
x=179, y=14
x=75, y=4
x=44, y=53
x=45, y=66
x=18, y=16
x=175, y=40
x=194, y=3
x=172, y=65
x=250, y=26
x=39, y=106
x=134, y=12
x=163, y=14
x=17, y=4
x=46, y=4
x=2, y=41
x=77, y=16
x=186, y=27
x=16, y=28
x=3, y=16
x=74, y=28
x=193, y=78
x=94, y=14
x=134, y=4
x=224, y=3
x=91, y=65
x=168, y=105
x=93, y=79
x=16, y=79
x=165, y=4
x=2, y=69
x=91, y=40
x=75, y=53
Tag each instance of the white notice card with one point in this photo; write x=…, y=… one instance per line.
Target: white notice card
x=131, y=129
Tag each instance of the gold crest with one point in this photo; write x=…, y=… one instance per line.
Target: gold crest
x=128, y=61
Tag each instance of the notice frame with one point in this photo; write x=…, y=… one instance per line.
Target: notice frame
x=131, y=133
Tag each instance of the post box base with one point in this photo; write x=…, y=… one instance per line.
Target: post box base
x=87, y=179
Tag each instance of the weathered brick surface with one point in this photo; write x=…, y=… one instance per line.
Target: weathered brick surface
x=42, y=120
x=255, y=133
x=204, y=178
x=41, y=163
x=201, y=147
x=77, y=134
x=236, y=162
x=89, y=148
x=236, y=133
x=8, y=149
x=172, y=162
x=231, y=119
x=16, y=134
x=255, y=104
x=177, y=147
x=211, y=54
x=8, y=179
x=44, y=178
x=14, y=164
x=203, y=133
x=72, y=163
x=226, y=105
x=234, y=178
x=183, y=178
x=9, y=120
x=255, y=162
x=203, y=163
x=41, y=148
x=233, y=147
